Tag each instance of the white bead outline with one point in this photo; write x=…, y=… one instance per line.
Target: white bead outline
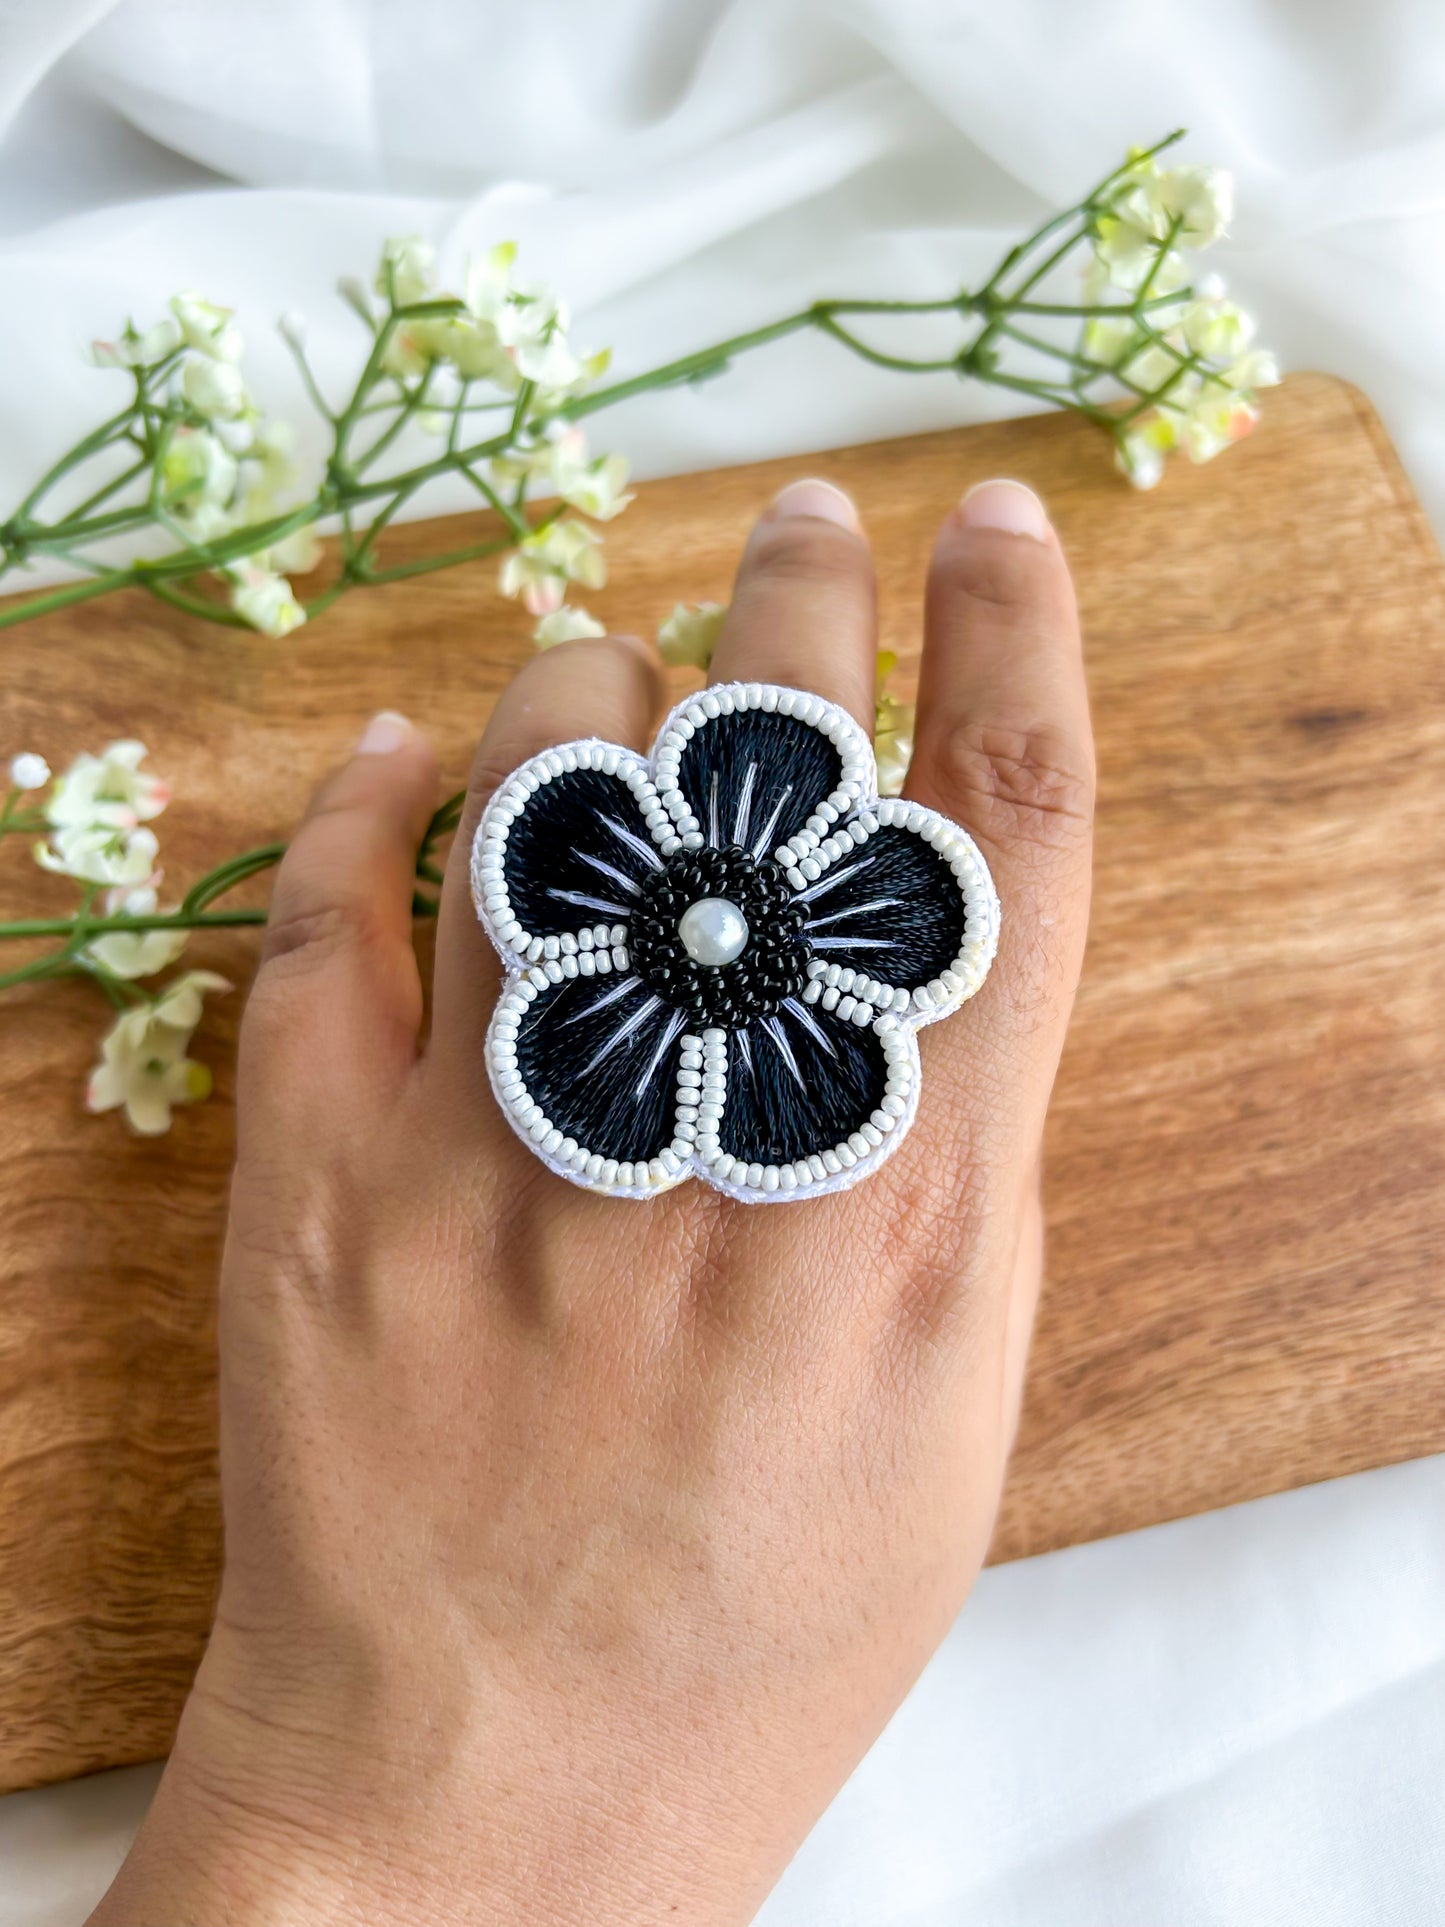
x=519, y=947
x=833, y=986
x=695, y=1150
x=857, y=774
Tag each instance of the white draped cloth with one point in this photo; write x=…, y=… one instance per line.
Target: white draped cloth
x=1235, y=1719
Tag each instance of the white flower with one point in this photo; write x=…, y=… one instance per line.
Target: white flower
x=207, y=328
x=540, y=567
x=893, y=724
x=137, y=350
x=135, y=953
x=111, y=790
x=1216, y=327
x=198, y=469
x=407, y=270
x=689, y=635
x=470, y=346
x=29, y=771
x=143, y=1063
x=1201, y=199
x=1257, y=369
x=214, y=388
x=264, y=599
x=100, y=853
x=275, y=473
x=566, y=625
x=1140, y=451
x=1109, y=340
x=598, y=486
x=489, y=285
x=1127, y=255
x=1216, y=417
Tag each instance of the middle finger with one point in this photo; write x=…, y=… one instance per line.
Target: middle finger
x=802, y=611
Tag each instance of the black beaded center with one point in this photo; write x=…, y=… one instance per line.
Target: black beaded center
x=773, y=964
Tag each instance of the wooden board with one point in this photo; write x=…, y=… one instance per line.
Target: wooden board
x=1247, y=1155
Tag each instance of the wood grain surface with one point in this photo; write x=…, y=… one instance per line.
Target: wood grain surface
x=1246, y=1178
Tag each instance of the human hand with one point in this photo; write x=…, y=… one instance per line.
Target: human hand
x=577, y=1549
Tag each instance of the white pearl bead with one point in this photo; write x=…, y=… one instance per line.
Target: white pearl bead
x=713, y=931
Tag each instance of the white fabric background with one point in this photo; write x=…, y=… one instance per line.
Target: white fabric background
x=1235, y=1720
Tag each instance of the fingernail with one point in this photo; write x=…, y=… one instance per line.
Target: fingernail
x=814, y=497
x=1005, y=505
x=385, y=732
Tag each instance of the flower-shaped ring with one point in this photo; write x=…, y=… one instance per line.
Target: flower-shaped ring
x=718, y=958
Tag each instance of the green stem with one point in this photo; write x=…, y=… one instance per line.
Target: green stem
x=41, y=605
x=428, y=565
x=104, y=926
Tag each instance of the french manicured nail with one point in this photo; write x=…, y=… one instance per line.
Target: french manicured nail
x=385, y=732
x=1005, y=505
x=814, y=497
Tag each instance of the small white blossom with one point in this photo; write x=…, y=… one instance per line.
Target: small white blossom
x=1201, y=199
x=100, y=853
x=689, y=635
x=1140, y=459
x=1216, y=418
x=264, y=599
x=274, y=473
x=597, y=486
x=143, y=1064
x=198, y=470
x=135, y=953
x=566, y=625
x=207, y=328
x=540, y=567
x=110, y=789
x=1127, y=255
x=408, y=269
x=137, y=350
x=29, y=771
x=893, y=725
x=1215, y=327
x=1257, y=369
x=214, y=388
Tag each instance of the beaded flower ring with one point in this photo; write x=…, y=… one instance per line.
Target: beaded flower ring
x=717, y=960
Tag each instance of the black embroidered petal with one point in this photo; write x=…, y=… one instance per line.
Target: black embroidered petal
x=578, y=854
x=892, y=909
x=799, y=1084
x=754, y=778
x=599, y=1055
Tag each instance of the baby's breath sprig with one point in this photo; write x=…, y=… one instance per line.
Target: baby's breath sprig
x=487, y=386
x=192, y=466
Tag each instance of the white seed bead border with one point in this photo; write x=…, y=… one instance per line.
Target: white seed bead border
x=856, y=779
x=642, y=1177
x=563, y=955
x=835, y=1169
x=697, y=1149
x=855, y=997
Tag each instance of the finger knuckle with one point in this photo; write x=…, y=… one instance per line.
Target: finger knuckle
x=1000, y=571
x=304, y=935
x=1019, y=786
x=489, y=772
x=806, y=551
